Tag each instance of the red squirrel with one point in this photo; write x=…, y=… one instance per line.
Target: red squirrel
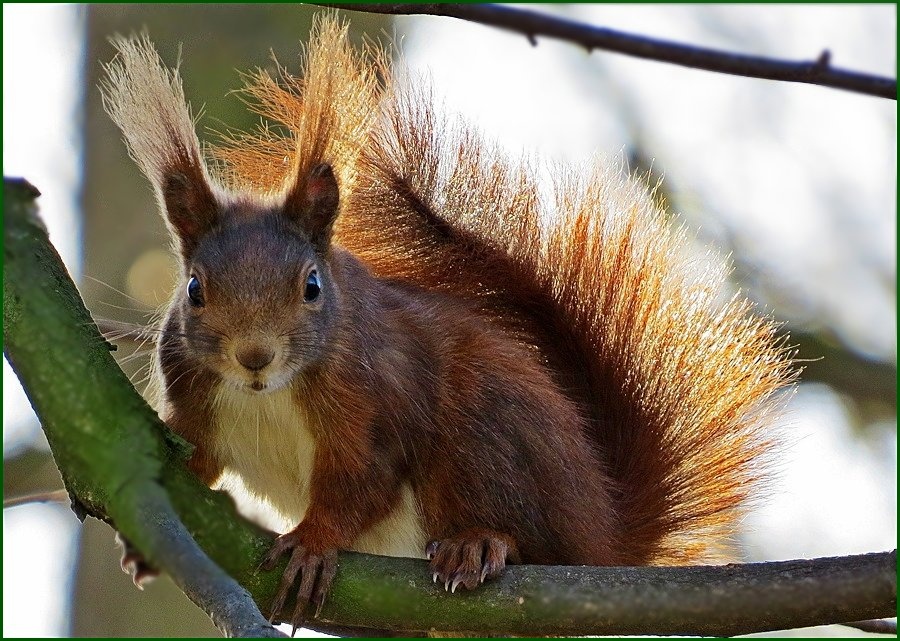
x=379, y=329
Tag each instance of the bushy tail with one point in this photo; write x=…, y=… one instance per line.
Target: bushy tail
x=680, y=386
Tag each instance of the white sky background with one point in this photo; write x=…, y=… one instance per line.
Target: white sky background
x=804, y=176
x=42, y=50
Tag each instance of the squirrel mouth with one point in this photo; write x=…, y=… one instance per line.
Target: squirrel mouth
x=259, y=385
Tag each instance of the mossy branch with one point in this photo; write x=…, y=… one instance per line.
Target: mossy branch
x=113, y=452
x=120, y=464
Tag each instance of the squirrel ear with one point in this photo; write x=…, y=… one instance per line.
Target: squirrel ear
x=313, y=204
x=190, y=207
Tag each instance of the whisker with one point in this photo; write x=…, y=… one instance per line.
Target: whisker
x=114, y=330
x=146, y=375
x=195, y=370
x=140, y=310
x=118, y=291
x=125, y=360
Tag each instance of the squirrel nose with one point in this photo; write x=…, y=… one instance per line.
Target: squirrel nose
x=254, y=357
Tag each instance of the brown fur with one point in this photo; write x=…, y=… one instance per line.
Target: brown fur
x=563, y=389
x=605, y=296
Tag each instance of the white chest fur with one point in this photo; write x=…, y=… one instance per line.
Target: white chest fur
x=264, y=439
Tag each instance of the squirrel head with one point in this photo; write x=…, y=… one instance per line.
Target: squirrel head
x=257, y=299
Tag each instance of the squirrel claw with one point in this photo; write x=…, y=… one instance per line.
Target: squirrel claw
x=470, y=558
x=134, y=564
x=319, y=600
x=315, y=572
x=282, y=544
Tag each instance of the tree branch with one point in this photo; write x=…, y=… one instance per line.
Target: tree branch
x=120, y=464
x=54, y=496
x=705, y=600
x=875, y=626
x=108, y=444
x=532, y=24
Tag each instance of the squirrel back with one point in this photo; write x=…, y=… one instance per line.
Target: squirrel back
x=680, y=387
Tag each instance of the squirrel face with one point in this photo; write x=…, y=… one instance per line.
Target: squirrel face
x=257, y=300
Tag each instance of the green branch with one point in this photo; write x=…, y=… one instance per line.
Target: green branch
x=110, y=447
x=120, y=464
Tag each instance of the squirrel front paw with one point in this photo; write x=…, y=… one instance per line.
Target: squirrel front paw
x=315, y=571
x=471, y=557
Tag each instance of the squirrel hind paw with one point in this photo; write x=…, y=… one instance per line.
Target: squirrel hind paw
x=470, y=558
x=134, y=564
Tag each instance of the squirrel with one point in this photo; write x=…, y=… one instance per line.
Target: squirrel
x=400, y=344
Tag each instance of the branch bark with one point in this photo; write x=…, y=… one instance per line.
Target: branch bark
x=532, y=24
x=108, y=444
x=704, y=600
x=875, y=626
x=120, y=464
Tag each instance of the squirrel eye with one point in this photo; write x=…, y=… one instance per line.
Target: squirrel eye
x=195, y=292
x=313, y=287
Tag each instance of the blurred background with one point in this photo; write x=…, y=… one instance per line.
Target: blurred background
x=796, y=183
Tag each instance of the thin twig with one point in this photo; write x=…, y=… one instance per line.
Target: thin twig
x=532, y=24
x=875, y=626
x=120, y=331
x=53, y=496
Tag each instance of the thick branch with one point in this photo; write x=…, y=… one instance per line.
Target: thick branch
x=107, y=443
x=709, y=600
x=532, y=24
x=120, y=464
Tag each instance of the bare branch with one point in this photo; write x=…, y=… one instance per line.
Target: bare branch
x=228, y=604
x=875, y=626
x=543, y=600
x=55, y=496
x=532, y=24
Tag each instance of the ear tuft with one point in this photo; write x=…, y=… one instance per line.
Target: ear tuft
x=190, y=207
x=146, y=100
x=313, y=204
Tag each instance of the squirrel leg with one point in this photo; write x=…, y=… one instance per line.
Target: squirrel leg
x=343, y=504
x=313, y=547
x=207, y=469
x=471, y=557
